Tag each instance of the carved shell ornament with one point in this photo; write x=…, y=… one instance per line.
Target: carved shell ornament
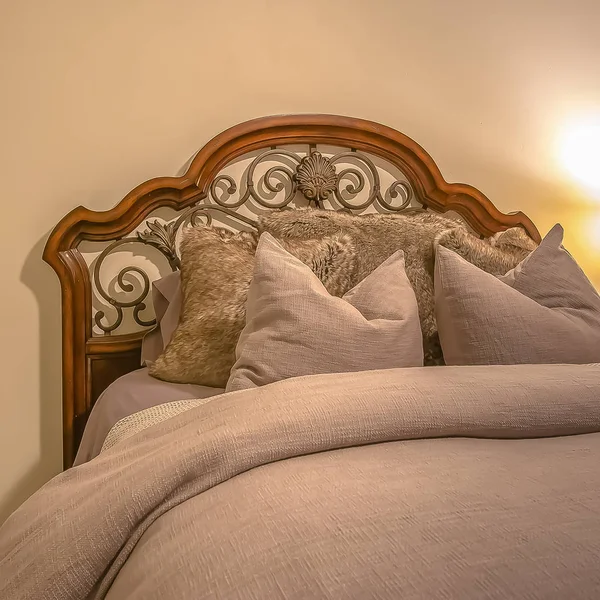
x=316, y=177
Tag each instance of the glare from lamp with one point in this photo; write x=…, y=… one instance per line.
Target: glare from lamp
x=594, y=232
x=579, y=151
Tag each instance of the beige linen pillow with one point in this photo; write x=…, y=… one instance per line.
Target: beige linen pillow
x=216, y=270
x=543, y=311
x=294, y=326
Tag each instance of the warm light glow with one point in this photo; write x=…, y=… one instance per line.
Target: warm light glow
x=594, y=232
x=579, y=150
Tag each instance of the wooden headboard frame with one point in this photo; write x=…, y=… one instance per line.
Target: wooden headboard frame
x=90, y=363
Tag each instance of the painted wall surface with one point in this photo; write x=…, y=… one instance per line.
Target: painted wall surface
x=97, y=97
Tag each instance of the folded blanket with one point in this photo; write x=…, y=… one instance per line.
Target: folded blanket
x=138, y=421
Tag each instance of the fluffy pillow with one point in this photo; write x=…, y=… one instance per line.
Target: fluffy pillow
x=544, y=311
x=379, y=236
x=216, y=269
x=294, y=326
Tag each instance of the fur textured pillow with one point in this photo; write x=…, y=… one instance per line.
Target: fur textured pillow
x=378, y=236
x=216, y=270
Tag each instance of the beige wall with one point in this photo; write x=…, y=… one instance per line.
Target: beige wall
x=99, y=96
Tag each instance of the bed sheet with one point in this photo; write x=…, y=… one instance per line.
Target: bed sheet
x=127, y=395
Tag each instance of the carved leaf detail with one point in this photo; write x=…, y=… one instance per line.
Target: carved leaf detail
x=162, y=236
x=316, y=176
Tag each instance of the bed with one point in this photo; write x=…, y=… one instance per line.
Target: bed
x=319, y=465
x=93, y=356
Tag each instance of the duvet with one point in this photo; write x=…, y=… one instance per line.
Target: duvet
x=446, y=482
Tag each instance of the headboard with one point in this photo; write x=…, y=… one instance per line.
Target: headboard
x=106, y=261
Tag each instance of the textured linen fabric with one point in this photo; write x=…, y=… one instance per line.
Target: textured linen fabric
x=128, y=395
x=216, y=269
x=295, y=327
x=138, y=421
x=250, y=497
x=544, y=311
x=464, y=520
x=377, y=237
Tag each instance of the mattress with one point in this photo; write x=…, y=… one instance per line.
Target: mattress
x=132, y=393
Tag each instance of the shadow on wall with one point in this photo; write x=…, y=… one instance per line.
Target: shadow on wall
x=42, y=281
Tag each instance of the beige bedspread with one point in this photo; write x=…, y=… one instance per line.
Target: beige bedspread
x=446, y=482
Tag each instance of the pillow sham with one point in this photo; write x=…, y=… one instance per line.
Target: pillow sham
x=216, y=270
x=543, y=311
x=294, y=326
x=380, y=235
x=166, y=300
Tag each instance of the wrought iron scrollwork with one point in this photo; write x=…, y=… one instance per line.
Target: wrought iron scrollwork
x=137, y=302
x=162, y=236
x=313, y=175
x=353, y=188
x=397, y=188
x=274, y=181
